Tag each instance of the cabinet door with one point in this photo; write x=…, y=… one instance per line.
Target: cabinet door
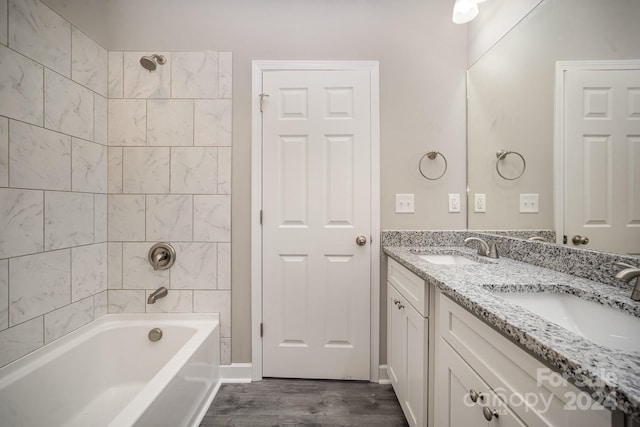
x=394, y=341
x=414, y=327
x=455, y=386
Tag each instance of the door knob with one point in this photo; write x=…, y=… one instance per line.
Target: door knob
x=361, y=240
x=580, y=240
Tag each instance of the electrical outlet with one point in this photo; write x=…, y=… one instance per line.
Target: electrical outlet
x=529, y=203
x=454, y=202
x=480, y=203
x=405, y=203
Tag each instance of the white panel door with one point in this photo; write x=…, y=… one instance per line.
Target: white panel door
x=602, y=158
x=316, y=202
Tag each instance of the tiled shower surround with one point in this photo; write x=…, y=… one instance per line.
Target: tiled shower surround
x=99, y=160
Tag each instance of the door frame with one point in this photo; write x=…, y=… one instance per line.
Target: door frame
x=258, y=67
x=558, y=138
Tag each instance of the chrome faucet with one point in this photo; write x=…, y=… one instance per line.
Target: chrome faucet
x=157, y=294
x=484, y=249
x=628, y=274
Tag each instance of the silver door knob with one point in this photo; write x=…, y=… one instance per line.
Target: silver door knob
x=580, y=240
x=361, y=240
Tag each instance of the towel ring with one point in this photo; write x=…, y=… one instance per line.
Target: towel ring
x=501, y=155
x=432, y=156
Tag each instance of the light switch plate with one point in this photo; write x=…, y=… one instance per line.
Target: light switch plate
x=454, y=202
x=480, y=202
x=405, y=203
x=529, y=203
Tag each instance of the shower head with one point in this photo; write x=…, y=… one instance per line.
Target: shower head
x=151, y=62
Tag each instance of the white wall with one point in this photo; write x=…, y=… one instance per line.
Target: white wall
x=53, y=178
x=422, y=57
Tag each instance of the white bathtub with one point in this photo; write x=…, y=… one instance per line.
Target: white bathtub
x=108, y=373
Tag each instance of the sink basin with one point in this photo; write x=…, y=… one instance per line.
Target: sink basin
x=596, y=322
x=447, y=259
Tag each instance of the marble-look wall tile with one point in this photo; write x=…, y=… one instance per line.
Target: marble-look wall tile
x=194, y=170
x=194, y=75
x=115, y=170
x=170, y=122
x=145, y=170
x=4, y=151
x=4, y=31
x=195, y=266
x=21, y=222
x=212, y=122
x=100, y=218
x=39, y=158
x=215, y=302
x=125, y=218
x=224, y=170
x=68, y=106
x=68, y=219
x=100, y=305
x=89, y=62
x=21, y=87
x=224, y=265
x=39, y=33
x=4, y=294
x=127, y=301
x=20, y=340
x=116, y=74
x=38, y=284
x=89, y=167
x=212, y=218
x=114, y=265
x=175, y=302
x=225, y=67
x=100, y=114
x=88, y=271
x=67, y=319
x=127, y=122
x=137, y=272
x=169, y=217
x=141, y=83
x=225, y=351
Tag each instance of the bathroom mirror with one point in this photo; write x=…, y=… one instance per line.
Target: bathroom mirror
x=511, y=98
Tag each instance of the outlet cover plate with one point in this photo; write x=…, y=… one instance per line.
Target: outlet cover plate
x=454, y=202
x=480, y=202
x=529, y=203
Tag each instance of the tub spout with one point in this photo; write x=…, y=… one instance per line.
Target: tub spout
x=157, y=294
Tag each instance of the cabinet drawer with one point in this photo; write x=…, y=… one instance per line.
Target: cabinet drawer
x=512, y=372
x=410, y=286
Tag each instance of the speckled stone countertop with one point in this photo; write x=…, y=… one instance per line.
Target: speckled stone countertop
x=612, y=376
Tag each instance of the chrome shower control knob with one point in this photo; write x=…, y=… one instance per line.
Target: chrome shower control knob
x=361, y=240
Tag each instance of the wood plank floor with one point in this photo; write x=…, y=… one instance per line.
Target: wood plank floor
x=285, y=402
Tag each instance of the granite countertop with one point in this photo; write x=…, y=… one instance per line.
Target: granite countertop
x=611, y=375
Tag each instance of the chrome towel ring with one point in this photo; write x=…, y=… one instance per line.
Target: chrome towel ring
x=432, y=156
x=501, y=155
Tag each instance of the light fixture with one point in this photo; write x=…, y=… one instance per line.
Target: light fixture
x=465, y=10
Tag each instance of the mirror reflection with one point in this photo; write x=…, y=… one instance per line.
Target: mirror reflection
x=512, y=108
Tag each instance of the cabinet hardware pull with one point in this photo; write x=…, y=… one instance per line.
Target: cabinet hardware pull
x=400, y=306
x=489, y=414
x=474, y=395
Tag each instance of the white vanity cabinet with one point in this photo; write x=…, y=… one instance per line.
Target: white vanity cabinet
x=480, y=374
x=408, y=341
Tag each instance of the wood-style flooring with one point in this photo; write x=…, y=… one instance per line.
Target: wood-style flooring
x=285, y=402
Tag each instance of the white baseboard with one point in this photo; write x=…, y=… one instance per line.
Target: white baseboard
x=242, y=373
x=236, y=373
x=383, y=376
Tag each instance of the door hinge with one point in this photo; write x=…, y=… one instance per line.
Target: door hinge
x=260, y=216
x=261, y=329
x=262, y=96
x=564, y=239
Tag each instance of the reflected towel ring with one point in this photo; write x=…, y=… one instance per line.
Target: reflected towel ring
x=501, y=155
x=432, y=156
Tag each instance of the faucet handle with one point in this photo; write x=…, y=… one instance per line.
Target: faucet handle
x=493, y=251
x=624, y=265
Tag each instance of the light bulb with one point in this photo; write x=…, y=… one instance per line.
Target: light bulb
x=464, y=11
